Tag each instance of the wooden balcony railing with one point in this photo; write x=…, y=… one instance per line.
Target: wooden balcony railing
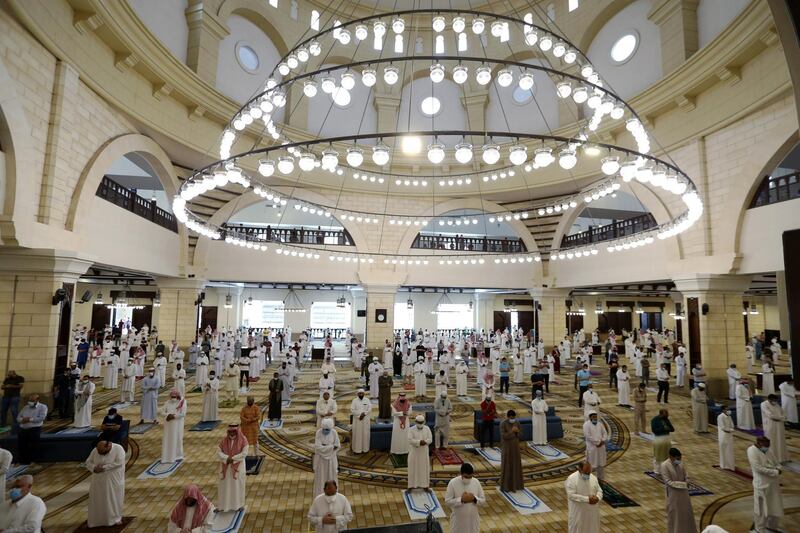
x=468, y=244
x=774, y=190
x=128, y=199
x=297, y=235
x=615, y=230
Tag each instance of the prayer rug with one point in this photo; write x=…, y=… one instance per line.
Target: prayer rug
x=271, y=424
x=399, y=460
x=120, y=406
x=286, y=403
x=550, y=453
x=511, y=397
x=611, y=447
x=738, y=472
x=138, y=429
x=465, y=399
x=126, y=520
x=524, y=501
x=253, y=464
x=423, y=408
x=159, y=470
x=753, y=432
x=227, y=521
x=614, y=497
x=420, y=502
x=448, y=456
x=694, y=489
x=646, y=436
x=408, y=386
x=373, y=401
x=15, y=471
x=652, y=389
x=490, y=454
x=793, y=466
x=208, y=425
x=74, y=431
x=197, y=389
x=253, y=380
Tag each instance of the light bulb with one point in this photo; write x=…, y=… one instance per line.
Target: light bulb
x=369, y=77
x=328, y=85
x=591, y=150
x=483, y=75
x=314, y=48
x=344, y=36
x=348, y=81
x=283, y=69
x=361, y=32
x=564, y=89
x=580, y=95
x=410, y=144
x=330, y=159
x=285, y=164
x=302, y=54
x=594, y=101
x=545, y=43
x=570, y=56
x=306, y=162
x=436, y=153
x=310, y=88
x=645, y=173
x=464, y=153
x=543, y=157
x=531, y=37
x=398, y=25
x=478, y=25
x=586, y=70
x=567, y=159
x=526, y=81
x=238, y=124
x=459, y=24
x=505, y=78
x=490, y=153
x=438, y=24
x=255, y=111
x=279, y=98
x=609, y=165
x=460, y=74
x=559, y=49
x=355, y=156
x=518, y=155
x=380, y=154
x=497, y=28
x=618, y=112
x=292, y=61
x=628, y=170
x=437, y=73
x=391, y=75
x=266, y=167
x=341, y=97
x=379, y=28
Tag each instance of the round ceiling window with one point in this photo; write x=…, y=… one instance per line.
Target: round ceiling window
x=430, y=106
x=522, y=96
x=624, y=48
x=248, y=58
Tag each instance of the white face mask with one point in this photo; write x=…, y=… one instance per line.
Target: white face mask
x=420, y=424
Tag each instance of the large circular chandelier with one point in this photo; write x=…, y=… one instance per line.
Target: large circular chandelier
x=420, y=159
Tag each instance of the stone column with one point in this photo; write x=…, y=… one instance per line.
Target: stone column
x=722, y=328
x=677, y=24
x=783, y=304
x=177, y=318
x=551, y=315
x=475, y=100
x=29, y=321
x=387, y=105
x=205, y=34
x=380, y=298
x=359, y=296
x=484, y=311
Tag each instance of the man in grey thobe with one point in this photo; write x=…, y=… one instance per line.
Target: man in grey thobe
x=441, y=427
x=150, y=386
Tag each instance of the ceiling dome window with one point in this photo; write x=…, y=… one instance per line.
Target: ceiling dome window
x=522, y=96
x=247, y=57
x=624, y=47
x=430, y=106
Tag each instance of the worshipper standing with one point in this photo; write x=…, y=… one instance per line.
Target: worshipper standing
x=64, y=393
x=662, y=378
x=700, y=408
x=193, y=513
x=243, y=362
x=201, y=370
x=160, y=364
x=789, y=401
x=537, y=381
x=385, y=383
x=128, y=382
x=510, y=458
x=84, y=392
x=231, y=455
x=111, y=425
x=22, y=512
x=504, y=370
x=401, y=410
x=734, y=377
x=375, y=370
x=326, y=383
x=149, y=403
x=111, y=371
x=107, y=485
x=441, y=383
x=661, y=427
x=420, y=383
x=583, y=495
x=250, y=420
x=767, y=499
x=772, y=420
x=179, y=379
x=419, y=463
x=518, y=368
x=330, y=511
x=725, y=439
x=680, y=516
x=591, y=401
x=539, y=420
x=441, y=428
x=744, y=407
x=174, y=412
x=639, y=409
x=326, y=408
x=488, y=414
x=464, y=494
x=5, y=465
x=680, y=364
x=360, y=411
x=232, y=374
x=623, y=386
x=584, y=380
x=699, y=374
x=30, y=420
x=767, y=379
x=211, y=399
x=286, y=376
x=325, y=463
x=488, y=384
x=596, y=437
x=274, y=403
x=462, y=374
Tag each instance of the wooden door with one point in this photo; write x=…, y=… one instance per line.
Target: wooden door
x=693, y=317
x=208, y=317
x=501, y=321
x=140, y=317
x=101, y=316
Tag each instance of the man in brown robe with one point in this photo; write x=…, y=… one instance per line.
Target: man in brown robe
x=250, y=417
x=385, y=395
x=275, y=397
x=510, y=459
x=680, y=517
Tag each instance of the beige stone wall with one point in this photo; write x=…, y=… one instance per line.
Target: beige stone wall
x=177, y=318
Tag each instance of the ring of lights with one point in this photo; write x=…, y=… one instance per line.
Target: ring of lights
x=619, y=164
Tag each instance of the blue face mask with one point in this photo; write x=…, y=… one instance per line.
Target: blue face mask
x=764, y=449
x=585, y=477
x=326, y=431
x=677, y=462
x=594, y=422
x=15, y=493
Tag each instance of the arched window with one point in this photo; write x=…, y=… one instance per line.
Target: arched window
x=315, y=19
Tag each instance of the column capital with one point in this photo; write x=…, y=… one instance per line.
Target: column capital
x=698, y=283
x=381, y=280
x=63, y=263
x=387, y=100
x=197, y=16
x=662, y=10
x=546, y=292
x=181, y=283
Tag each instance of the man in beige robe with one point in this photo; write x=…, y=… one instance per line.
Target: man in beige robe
x=680, y=516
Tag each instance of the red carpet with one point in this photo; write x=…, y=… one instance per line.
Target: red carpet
x=408, y=387
x=741, y=474
x=448, y=456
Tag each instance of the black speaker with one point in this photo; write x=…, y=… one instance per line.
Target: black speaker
x=59, y=296
x=87, y=296
x=361, y=313
x=568, y=303
x=705, y=309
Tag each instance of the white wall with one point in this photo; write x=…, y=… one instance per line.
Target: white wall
x=2, y=178
x=760, y=243
x=451, y=114
x=538, y=115
x=166, y=19
x=714, y=15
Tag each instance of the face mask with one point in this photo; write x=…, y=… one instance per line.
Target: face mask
x=594, y=422
x=420, y=424
x=32, y=404
x=15, y=493
x=585, y=476
x=325, y=431
x=512, y=420
x=677, y=462
x=151, y=375
x=764, y=449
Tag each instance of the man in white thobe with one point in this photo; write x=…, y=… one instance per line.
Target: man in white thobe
x=772, y=420
x=201, y=371
x=5, y=465
x=680, y=364
x=401, y=413
x=441, y=383
x=179, y=379
x=210, y=399
x=361, y=411
x=734, y=377
x=107, y=484
x=84, y=391
x=591, y=402
x=464, y=495
x=725, y=431
x=583, y=498
x=419, y=463
x=789, y=401
x=149, y=403
x=744, y=407
x=623, y=386
x=375, y=371
x=22, y=512
x=231, y=455
x=111, y=371
x=326, y=408
x=325, y=463
x=326, y=384
x=462, y=372
x=539, y=420
x=441, y=428
x=330, y=511
x=420, y=380
x=767, y=503
x=328, y=367
x=232, y=374
x=160, y=363
x=286, y=376
x=129, y=382
x=596, y=436
x=174, y=412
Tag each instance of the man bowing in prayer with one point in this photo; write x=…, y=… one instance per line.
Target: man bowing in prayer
x=596, y=437
x=464, y=495
x=250, y=418
x=510, y=459
x=326, y=462
x=360, y=411
x=419, y=463
x=680, y=516
x=174, y=412
x=149, y=405
x=583, y=496
x=330, y=512
x=275, y=397
x=231, y=455
x=107, y=484
x=193, y=513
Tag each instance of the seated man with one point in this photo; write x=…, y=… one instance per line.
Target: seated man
x=111, y=426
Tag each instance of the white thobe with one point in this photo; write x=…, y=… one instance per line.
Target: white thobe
x=83, y=404
x=461, y=379
x=441, y=384
x=594, y=435
x=419, y=463
x=172, y=441
x=5, y=464
x=210, y=401
x=733, y=380
x=518, y=370
x=623, y=387
x=179, y=380
x=111, y=372
x=328, y=368
x=725, y=439
x=326, y=385
x=129, y=383
x=539, y=421
x=420, y=382
x=465, y=517
x=591, y=402
x=24, y=515
x=205, y=527
x=767, y=380
x=680, y=376
x=161, y=369
x=766, y=483
x=106, y=488
x=149, y=403
x=527, y=362
x=400, y=431
x=359, y=440
x=744, y=409
x=231, y=488
x=772, y=420
x=387, y=357
x=789, y=401
x=583, y=516
x=375, y=371
x=336, y=505
x=323, y=408
x=326, y=463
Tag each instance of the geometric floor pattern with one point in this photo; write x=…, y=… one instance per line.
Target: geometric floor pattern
x=279, y=496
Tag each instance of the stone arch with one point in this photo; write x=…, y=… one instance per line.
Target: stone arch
x=225, y=213
x=599, y=20
x=256, y=13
